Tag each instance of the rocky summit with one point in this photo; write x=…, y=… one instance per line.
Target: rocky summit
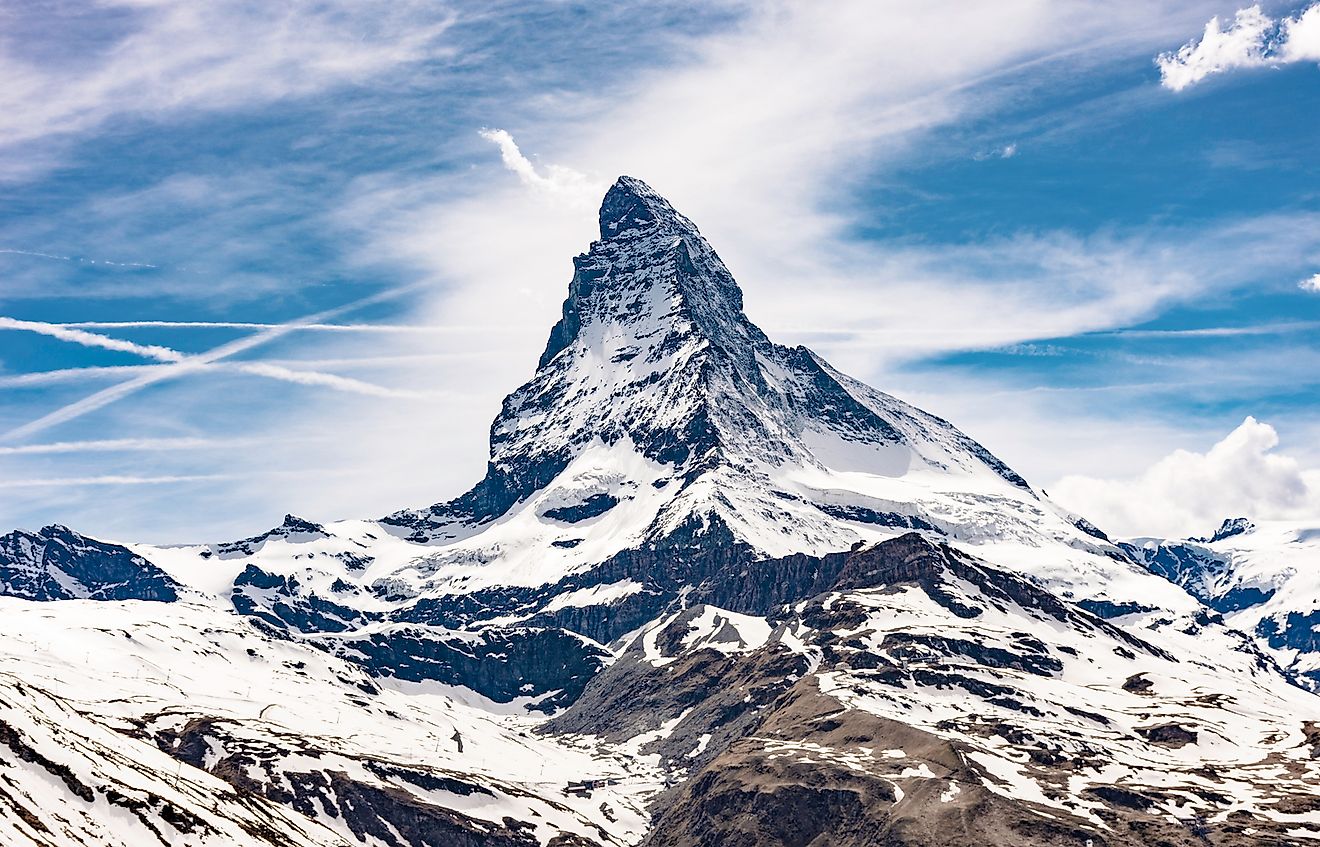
x=710, y=591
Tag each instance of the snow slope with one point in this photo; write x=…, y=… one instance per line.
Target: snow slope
x=1264, y=577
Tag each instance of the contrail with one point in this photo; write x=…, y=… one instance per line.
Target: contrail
x=130, y=479
x=262, y=368
x=319, y=327
x=115, y=445
x=342, y=383
x=113, y=480
x=93, y=339
x=79, y=259
x=188, y=364
x=72, y=375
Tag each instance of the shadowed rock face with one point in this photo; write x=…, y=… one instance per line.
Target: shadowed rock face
x=59, y=564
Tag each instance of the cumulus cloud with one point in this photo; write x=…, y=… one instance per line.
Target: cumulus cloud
x=1301, y=42
x=1188, y=493
x=1311, y=284
x=1254, y=39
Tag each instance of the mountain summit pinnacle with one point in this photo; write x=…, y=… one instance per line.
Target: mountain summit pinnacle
x=631, y=203
x=648, y=254
x=655, y=389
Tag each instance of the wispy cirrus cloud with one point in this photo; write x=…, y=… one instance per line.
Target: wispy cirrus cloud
x=742, y=137
x=124, y=445
x=567, y=183
x=146, y=59
x=1252, y=40
x=1007, y=151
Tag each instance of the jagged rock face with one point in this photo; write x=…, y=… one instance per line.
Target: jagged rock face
x=654, y=352
x=293, y=527
x=665, y=452
x=663, y=430
x=59, y=564
x=383, y=802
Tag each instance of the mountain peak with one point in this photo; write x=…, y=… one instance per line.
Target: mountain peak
x=654, y=362
x=1231, y=527
x=651, y=270
x=631, y=204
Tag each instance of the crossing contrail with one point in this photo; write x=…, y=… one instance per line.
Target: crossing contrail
x=191, y=364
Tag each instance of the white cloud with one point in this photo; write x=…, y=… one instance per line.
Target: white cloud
x=177, y=54
x=1310, y=284
x=1253, y=40
x=1008, y=151
x=1188, y=493
x=558, y=180
x=1301, y=37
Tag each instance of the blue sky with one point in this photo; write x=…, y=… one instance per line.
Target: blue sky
x=1008, y=213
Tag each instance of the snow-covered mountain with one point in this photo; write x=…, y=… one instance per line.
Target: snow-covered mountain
x=710, y=591
x=658, y=408
x=1263, y=577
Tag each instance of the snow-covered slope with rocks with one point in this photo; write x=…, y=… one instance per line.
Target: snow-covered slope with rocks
x=708, y=588
x=1263, y=577
x=929, y=698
